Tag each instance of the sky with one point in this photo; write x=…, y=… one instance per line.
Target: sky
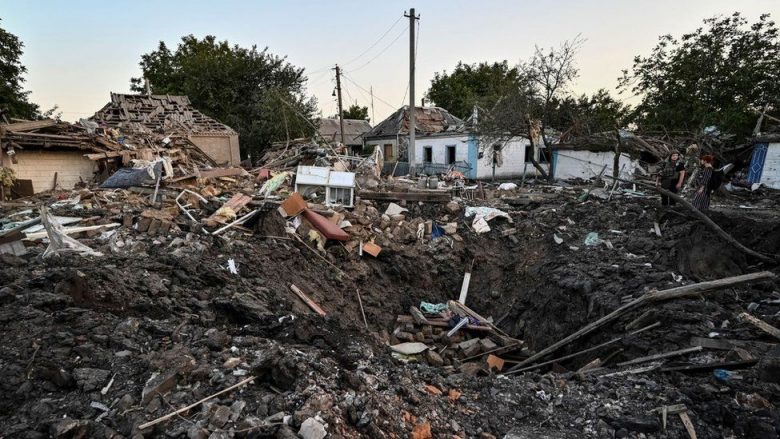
x=79, y=51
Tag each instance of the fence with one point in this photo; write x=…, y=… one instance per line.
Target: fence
x=402, y=168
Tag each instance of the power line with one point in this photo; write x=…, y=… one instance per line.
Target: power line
x=375, y=43
x=375, y=96
x=383, y=50
x=348, y=94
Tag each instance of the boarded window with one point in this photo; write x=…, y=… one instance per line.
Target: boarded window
x=389, y=151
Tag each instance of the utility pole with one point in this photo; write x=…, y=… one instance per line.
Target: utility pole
x=341, y=109
x=372, y=103
x=412, y=127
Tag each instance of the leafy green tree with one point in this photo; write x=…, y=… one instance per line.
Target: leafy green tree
x=723, y=73
x=13, y=99
x=258, y=94
x=468, y=85
x=355, y=111
x=588, y=115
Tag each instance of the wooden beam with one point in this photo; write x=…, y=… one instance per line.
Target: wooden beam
x=193, y=405
x=760, y=324
x=686, y=420
x=30, y=125
x=220, y=172
x=316, y=308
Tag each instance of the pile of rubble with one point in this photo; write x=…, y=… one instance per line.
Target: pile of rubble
x=312, y=298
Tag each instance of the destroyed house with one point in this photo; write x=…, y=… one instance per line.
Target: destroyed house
x=392, y=134
x=173, y=116
x=444, y=142
x=48, y=154
x=354, y=129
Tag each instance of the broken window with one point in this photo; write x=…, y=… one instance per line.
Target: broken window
x=450, y=154
x=340, y=195
x=427, y=154
x=529, y=153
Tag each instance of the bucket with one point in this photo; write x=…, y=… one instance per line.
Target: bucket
x=433, y=182
x=422, y=183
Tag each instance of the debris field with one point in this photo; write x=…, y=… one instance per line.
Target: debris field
x=236, y=303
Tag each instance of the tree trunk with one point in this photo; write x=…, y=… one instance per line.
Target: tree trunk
x=533, y=158
x=548, y=147
x=618, y=150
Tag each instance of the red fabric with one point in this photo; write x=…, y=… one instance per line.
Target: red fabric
x=327, y=228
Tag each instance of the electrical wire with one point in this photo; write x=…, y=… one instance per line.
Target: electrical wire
x=383, y=50
x=375, y=96
x=375, y=43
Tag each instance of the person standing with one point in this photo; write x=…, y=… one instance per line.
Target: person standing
x=670, y=177
x=701, y=198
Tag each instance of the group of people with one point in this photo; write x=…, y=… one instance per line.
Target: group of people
x=671, y=176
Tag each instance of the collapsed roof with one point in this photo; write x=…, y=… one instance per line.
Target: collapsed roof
x=330, y=130
x=158, y=113
x=427, y=120
x=50, y=133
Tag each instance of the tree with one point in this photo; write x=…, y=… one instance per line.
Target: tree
x=355, y=111
x=260, y=95
x=724, y=74
x=535, y=104
x=468, y=85
x=13, y=99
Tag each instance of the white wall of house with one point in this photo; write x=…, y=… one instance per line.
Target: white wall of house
x=384, y=145
x=512, y=160
x=439, y=147
x=588, y=164
x=40, y=166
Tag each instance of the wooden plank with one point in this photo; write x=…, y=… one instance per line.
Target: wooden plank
x=70, y=230
x=193, y=405
x=760, y=324
x=236, y=203
x=417, y=315
x=726, y=344
x=30, y=125
x=316, y=308
x=441, y=324
x=661, y=356
x=108, y=154
x=220, y=172
x=686, y=420
x=425, y=196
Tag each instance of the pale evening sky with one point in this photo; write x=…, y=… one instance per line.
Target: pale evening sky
x=78, y=51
